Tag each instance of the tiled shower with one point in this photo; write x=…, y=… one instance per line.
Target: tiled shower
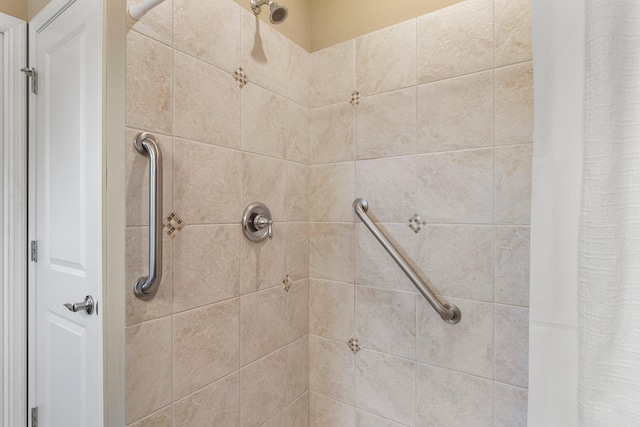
x=431, y=121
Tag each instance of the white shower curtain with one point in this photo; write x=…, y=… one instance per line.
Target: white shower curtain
x=609, y=263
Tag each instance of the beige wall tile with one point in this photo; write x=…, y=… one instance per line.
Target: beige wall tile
x=326, y=412
x=466, y=346
x=207, y=188
x=332, y=133
x=298, y=412
x=264, y=180
x=297, y=192
x=453, y=399
x=385, y=385
x=512, y=265
x=514, y=104
x=386, y=124
x=299, y=75
x=298, y=250
x=386, y=59
x=207, y=103
x=331, y=248
x=208, y=33
x=512, y=31
x=456, y=114
x=137, y=265
x=331, y=192
x=207, y=265
x=263, y=389
x=263, y=265
x=148, y=367
x=162, y=418
x=156, y=24
x=456, y=187
x=265, y=54
x=365, y=419
x=207, y=346
x=297, y=137
x=331, y=369
x=279, y=420
x=216, y=405
x=264, y=124
x=512, y=345
x=137, y=179
x=148, y=86
x=297, y=368
x=457, y=260
x=331, y=309
x=456, y=40
x=332, y=74
x=386, y=321
x=298, y=310
x=510, y=406
x=389, y=185
x=374, y=266
x=263, y=323
x=513, y=184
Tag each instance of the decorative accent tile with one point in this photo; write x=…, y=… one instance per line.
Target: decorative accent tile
x=355, y=98
x=287, y=282
x=354, y=345
x=241, y=77
x=173, y=224
x=416, y=223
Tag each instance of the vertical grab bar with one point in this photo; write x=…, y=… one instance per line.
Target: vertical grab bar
x=449, y=312
x=147, y=286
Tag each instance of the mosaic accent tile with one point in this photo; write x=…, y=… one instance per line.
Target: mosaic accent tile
x=173, y=224
x=287, y=282
x=355, y=98
x=354, y=345
x=241, y=77
x=416, y=223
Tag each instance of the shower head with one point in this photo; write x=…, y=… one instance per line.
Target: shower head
x=277, y=13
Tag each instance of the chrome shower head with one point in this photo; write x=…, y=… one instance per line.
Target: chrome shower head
x=277, y=13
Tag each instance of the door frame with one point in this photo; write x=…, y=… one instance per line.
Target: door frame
x=14, y=205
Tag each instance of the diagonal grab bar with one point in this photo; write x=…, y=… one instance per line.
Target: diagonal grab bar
x=449, y=312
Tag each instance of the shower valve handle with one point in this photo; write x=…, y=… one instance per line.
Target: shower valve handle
x=261, y=222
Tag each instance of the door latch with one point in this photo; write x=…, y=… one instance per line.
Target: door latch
x=33, y=74
x=86, y=305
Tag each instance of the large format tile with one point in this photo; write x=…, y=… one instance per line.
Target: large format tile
x=263, y=323
x=449, y=398
x=297, y=138
x=263, y=265
x=386, y=124
x=386, y=321
x=510, y=406
x=514, y=104
x=326, y=412
x=206, y=104
x=216, y=405
x=156, y=24
x=332, y=133
x=512, y=31
x=298, y=412
x=385, y=385
x=456, y=114
x=456, y=187
x=512, y=265
x=331, y=192
x=386, y=59
x=297, y=368
x=279, y=420
x=512, y=345
x=331, y=369
x=148, y=86
x=365, y=419
x=298, y=310
x=263, y=389
x=331, y=309
x=458, y=260
x=332, y=74
x=331, y=248
x=208, y=33
x=264, y=124
x=148, y=367
x=206, y=346
x=298, y=250
x=162, y=418
x=513, y=184
x=466, y=346
x=297, y=192
x=299, y=75
x=264, y=180
x=206, y=188
x=455, y=40
x=207, y=265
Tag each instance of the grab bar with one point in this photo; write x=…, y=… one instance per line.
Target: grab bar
x=449, y=312
x=147, y=286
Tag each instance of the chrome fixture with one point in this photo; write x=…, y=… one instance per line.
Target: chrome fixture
x=256, y=222
x=86, y=305
x=147, y=286
x=449, y=312
x=277, y=13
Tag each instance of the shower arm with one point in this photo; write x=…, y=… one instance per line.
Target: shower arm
x=137, y=11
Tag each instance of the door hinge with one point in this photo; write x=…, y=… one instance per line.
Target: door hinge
x=34, y=250
x=34, y=417
x=33, y=74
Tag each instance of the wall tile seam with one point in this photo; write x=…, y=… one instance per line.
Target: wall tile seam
x=155, y=412
x=514, y=64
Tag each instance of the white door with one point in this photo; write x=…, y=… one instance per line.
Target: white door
x=65, y=48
